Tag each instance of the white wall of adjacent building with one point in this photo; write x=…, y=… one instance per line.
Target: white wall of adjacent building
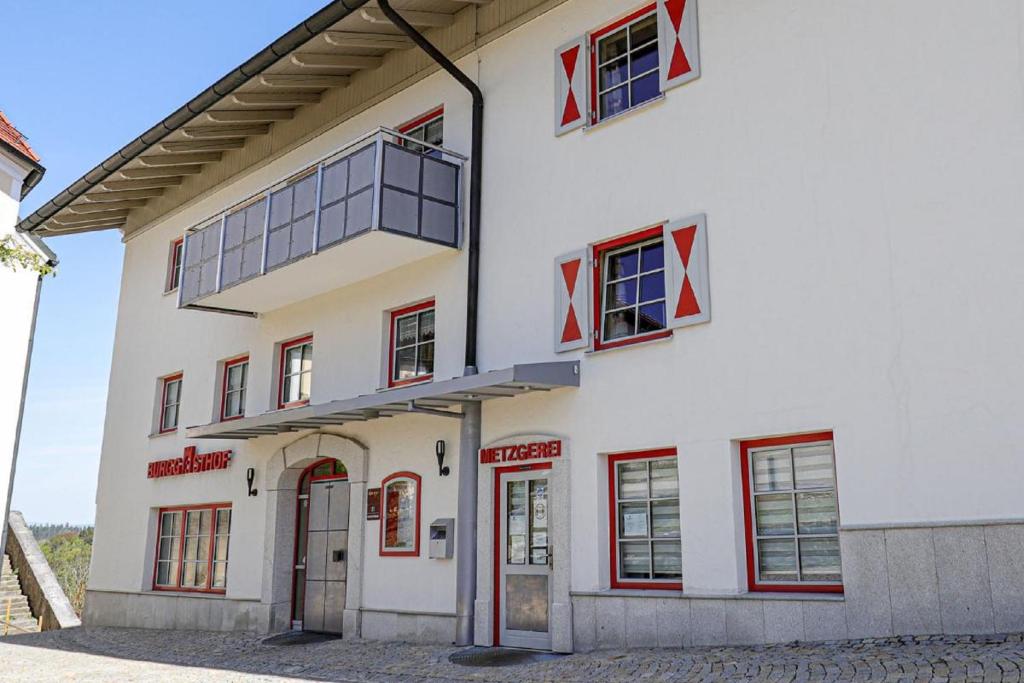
x=860, y=179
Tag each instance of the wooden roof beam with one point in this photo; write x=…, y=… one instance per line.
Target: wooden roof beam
x=304, y=81
x=316, y=60
x=249, y=115
x=93, y=207
x=181, y=159
x=100, y=217
x=211, y=132
x=160, y=171
x=202, y=145
x=275, y=98
x=55, y=228
x=425, y=19
x=116, y=196
x=141, y=183
x=372, y=41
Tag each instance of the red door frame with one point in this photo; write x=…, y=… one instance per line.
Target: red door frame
x=298, y=505
x=498, y=472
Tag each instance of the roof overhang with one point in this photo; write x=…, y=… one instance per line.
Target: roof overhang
x=335, y=64
x=431, y=398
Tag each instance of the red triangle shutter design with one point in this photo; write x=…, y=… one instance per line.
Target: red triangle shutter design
x=686, y=271
x=687, y=301
x=678, y=42
x=684, y=243
x=571, y=331
x=572, y=110
x=572, y=301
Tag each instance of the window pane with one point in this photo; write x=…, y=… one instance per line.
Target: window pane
x=816, y=513
x=427, y=326
x=163, y=573
x=192, y=524
x=645, y=88
x=813, y=466
x=290, y=391
x=173, y=391
x=220, y=551
x=170, y=418
x=517, y=524
x=620, y=294
x=772, y=470
x=223, y=521
x=643, y=60
x=233, y=404
x=220, y=572
x=201, y=574
x=400, y=527
x=405, y=363
x=307, y=357
x=819, y=559
x=635, y=562
x=305, y=380
x=774, y=514
x=623, y=264
x=632, y=480
x=776, y=559
x=643, y=31
x=614, y=73
x=651, y=318
x=652, y=286
x=189, y=577
x=668, y=560
x=293, y=360
x=665, y=519
x=620, y=324
x=652, y=257
x=664, y=478
x=633, y=520
x=205, y=517
x=406, y=333
x=615, y=101
x=425, y=364
x=236, y=376
x=613, y=46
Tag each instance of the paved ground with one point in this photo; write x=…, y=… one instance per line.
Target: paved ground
x=103, y=654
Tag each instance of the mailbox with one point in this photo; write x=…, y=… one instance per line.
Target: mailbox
x=442, y=539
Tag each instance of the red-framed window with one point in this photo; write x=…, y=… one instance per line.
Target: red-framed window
x=644, y=527
x=232, y=393
x=629, y=289
x=296, y=374
x=411, y=344
x=170, y=403
x=428, y=128
x=174, y=265
x=624, y=64
x=791, y=514
x=192, y=548
x=400, y=525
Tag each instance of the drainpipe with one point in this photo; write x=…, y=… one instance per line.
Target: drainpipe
x=469, y=436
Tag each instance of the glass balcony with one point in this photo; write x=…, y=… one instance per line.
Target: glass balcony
x=380, y=202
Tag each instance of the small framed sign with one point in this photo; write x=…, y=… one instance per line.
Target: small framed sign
x=373, y=503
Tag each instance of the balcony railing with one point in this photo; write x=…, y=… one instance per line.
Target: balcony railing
x=383, y=184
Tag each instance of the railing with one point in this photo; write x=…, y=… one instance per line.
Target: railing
x=384, y=181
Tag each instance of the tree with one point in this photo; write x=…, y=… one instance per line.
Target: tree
x=68, y=555
x=15, y=256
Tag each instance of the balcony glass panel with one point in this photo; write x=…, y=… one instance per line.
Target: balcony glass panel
x=372, y=185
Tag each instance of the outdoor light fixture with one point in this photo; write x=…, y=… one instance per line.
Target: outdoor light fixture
x=250, y=478
x=442, y=470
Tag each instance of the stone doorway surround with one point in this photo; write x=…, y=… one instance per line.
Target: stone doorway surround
x=561, y=605
x=281, y=481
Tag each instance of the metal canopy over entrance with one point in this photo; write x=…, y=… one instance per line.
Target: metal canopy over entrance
x=433, y=398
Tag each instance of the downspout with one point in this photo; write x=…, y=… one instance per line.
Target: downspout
x=469, y=437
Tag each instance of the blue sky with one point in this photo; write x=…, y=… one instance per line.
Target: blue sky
x=86, y=78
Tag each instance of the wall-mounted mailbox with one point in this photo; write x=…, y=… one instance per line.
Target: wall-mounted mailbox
x=442, y=539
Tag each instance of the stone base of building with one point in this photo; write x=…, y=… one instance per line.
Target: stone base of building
x=408, y=627
x=175, y=611
x=963, y=578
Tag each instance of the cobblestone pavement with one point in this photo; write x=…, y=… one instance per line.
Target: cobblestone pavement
x=107, y=654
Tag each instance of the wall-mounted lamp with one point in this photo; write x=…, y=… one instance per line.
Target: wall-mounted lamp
x=442, y=470
x=250, y=478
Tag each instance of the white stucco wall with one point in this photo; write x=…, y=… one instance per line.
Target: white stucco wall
x=861, y=185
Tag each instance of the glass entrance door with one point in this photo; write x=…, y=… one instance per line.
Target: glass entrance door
x=525, y=560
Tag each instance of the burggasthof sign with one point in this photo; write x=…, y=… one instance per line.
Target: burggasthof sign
x=189, y=463
x=516, y=452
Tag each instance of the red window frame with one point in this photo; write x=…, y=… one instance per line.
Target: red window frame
x=384, y=552
x=174, y=264
x=594, y=37
x=421, y=120
x=401, y=313
x=598, y=252
x=748, y=514
x=308, y=339
x=184, y=510
x=165, y=381
x=613, y=522
x=228, y=364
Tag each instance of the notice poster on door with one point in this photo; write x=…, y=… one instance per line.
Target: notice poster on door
x=373, y=503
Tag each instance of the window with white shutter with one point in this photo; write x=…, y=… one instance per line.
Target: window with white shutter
x=686, y=271
x=572, y=303
x=678, y=42
x=570, y=85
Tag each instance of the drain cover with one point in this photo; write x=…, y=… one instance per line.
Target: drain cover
x=499, y=656
x=299, y=638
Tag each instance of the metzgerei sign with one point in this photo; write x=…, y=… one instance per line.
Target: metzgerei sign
x=189, y=463
x=518, y=452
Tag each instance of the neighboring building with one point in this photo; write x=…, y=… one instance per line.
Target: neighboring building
x=748, y=362
x=20, y=171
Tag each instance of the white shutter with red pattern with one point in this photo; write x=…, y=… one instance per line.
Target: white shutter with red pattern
x=572, y=301
x=570, y=85
x=688, y=288
x=678, y=42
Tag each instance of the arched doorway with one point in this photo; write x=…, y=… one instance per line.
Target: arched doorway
x=320, y=566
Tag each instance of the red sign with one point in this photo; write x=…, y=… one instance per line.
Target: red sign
x=373, y=503
x=189, y=463
x=538, y=450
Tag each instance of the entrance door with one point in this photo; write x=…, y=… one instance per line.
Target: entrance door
x=524, y=559
x=326, y=555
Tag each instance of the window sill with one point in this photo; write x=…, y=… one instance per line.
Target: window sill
x=622, y=115
x=691, y=595
x=157, y=435
x=654, y=339
x=178, y=592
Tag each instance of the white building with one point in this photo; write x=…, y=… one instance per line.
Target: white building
x=20, y=171
x=744, y=359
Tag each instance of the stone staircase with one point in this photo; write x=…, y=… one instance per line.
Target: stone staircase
x=21, y=619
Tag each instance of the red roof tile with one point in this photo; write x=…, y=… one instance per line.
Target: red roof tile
x=11, y=135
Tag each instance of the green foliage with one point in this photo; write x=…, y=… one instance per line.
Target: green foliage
x=42, y=532
x=15, y=256
x=68, y=554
